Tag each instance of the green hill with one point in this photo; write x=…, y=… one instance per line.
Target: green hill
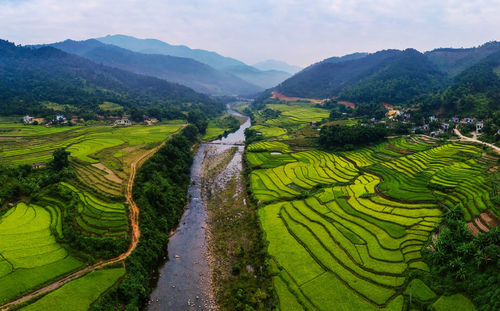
x=31, y=76
x=186, y=71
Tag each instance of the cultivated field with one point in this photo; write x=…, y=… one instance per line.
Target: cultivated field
x=29, y=252
x=79, y=294
x=345, y=229
x=100, y=157
x=83, y=142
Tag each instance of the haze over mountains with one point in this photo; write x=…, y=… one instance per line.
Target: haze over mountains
x=189, y=72
x=261, y=78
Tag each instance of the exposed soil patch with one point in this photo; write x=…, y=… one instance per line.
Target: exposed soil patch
x=110, y=174
x=472, y=228
x=294, y=99
x=492, y=222
x=347, y=104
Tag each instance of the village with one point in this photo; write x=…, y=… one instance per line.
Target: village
x=62, y=120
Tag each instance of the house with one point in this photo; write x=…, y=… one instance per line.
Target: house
x=39, y=120
x=28, y=119
x=455, y=120
x=479, y=126
x=426, y=127
x=433, y=119
x=470, y=120
x=60, y=118
x=445, y=126
x=74, y=119
x=38, y=165
x=123, y=122
x=436, y=133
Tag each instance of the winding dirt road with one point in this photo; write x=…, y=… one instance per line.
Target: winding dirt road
x=474, y=140
x=135, y=234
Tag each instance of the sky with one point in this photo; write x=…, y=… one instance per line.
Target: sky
x=298, y=32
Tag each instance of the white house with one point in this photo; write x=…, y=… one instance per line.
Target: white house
x=60, y=118
x=28, y=119
x=479, y=126
x=123, y=122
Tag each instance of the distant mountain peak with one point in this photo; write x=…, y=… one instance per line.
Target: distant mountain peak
x=263, y=79
x=273, y=64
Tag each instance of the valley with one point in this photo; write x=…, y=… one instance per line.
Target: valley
x=142, y=175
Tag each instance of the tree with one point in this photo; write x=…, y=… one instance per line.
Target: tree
x=60, y=160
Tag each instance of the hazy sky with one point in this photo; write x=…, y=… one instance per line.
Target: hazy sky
x=298, y=32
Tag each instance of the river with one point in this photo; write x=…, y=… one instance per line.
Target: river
x=184, y=281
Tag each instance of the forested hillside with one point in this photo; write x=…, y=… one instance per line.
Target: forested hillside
x=439, y=78
x=330, y=77
x=31, y=76
x=454, y=61
x=398, y=79
x=186, y=71
x=476, y=90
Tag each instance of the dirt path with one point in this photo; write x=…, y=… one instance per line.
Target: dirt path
x=135, y=234
x=465, y=138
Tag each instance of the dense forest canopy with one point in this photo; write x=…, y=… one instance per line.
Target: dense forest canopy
x=452, y=81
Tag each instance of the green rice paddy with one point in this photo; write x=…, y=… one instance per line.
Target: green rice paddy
x=82, y=142
x=30, y=255
x=29, y=252
x=344, y=230
x=79, y=294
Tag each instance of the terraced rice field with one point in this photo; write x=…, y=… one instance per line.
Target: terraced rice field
x=269, y=131
x=79, y=294
x=271, y=146
x=97, y=179
x=29, y=253
x=99, y=216
x=345, y=229
x=82, y=142
x=297, y=112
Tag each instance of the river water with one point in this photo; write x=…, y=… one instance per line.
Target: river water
x=184, y=280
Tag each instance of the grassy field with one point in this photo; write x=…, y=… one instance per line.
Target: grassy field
x=79, y=294
x=345, y=229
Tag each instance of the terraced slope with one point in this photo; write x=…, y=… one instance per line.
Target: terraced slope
x=345, y=229
x=29, y=253
x=82, y=142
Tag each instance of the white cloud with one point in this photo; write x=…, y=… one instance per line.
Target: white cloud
x=296, y=31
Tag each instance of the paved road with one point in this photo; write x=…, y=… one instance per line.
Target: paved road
x=465, y=138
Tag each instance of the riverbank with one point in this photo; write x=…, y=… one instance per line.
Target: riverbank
x=184, y=281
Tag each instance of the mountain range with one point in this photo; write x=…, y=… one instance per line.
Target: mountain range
x=387, y=76
x=261, y=78
x=31, y=76
x=186, y=71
